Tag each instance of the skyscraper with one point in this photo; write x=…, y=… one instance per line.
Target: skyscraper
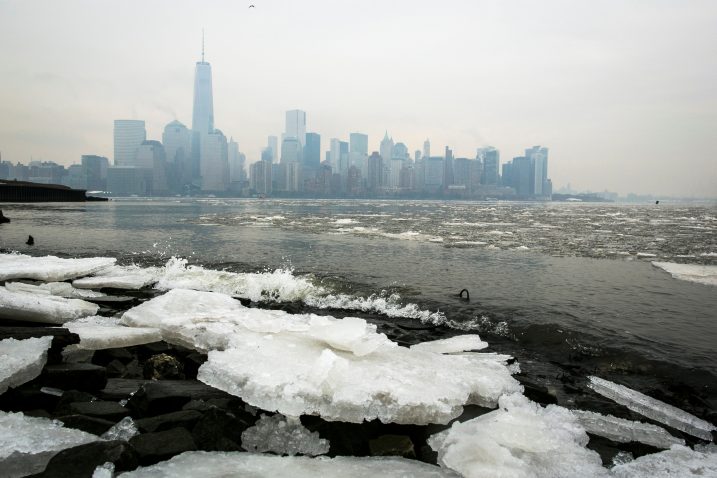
x=273, y=143
x=358, y=143
x=215, y=162
x=203, y=109
x=426, y=149
x=312, y=153
x=296, y=126
x=128, y=136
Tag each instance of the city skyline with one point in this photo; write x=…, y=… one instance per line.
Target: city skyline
x=632, y=140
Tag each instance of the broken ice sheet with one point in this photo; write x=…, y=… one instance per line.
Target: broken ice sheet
x=653, y=408
x=624, y=431
x=120, y=277
x=283, y=436
x=22, y=360
x=98, y=333
x=122, y=430
x=224, y=464
x=28, y=443
x=44, y=308
x=520, y=439
x=60, y=289
x=677, y=462
x=459, y=343
x=49, y=268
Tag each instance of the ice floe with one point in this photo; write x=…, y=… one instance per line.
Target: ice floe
x=49, y=268
x=21, y=360
x=677, y=462
x=519, y=440
x=120, y=277
x=690, y=272
x=60, y=289
x=653, y=408
x=459, y=343
x=28, y=443
x=223, y=464
x=624, y=431
x=40, y=307
x=98, y=333
x=284, y=436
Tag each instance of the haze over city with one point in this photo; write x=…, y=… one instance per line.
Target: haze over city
x=622, y=94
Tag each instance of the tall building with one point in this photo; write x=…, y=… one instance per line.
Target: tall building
x=273, y=143
x=177, y=141
x=374, y=177
x=426, y=149
x=94, y=171
x=448, y=179
x=236, y=162
x=386, y=148
x=291, y=151
x=296, y=126
x=491, y=165
x=334, y=154
x=214, y=162
x=203, y=108
x=128, y=136
x=358, y=143
x=539, y=168
x=312, y=153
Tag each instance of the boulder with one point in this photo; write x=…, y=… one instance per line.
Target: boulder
x=155, y=447
x=81, y=461
x=75, y=376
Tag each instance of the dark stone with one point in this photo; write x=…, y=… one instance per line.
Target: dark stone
x=61, y=338
x=185, y=418
x=133, y=370
x=163, y=367
x=165, y=396
x=75, y=376
x=116, y=369
x=218, y=430
x=392, y=445
x=27, y=397
x=3, y=219
x=40, y=413
x=106, y=410
x=69, y=397
x=155, y=447
x=147, y=350
x=105, y=356
x=192, y=362
x=94, y=425
x=198, y=405
x=81, y=461
x=120, y=388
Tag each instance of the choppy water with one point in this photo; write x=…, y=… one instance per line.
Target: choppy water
x=569, y=289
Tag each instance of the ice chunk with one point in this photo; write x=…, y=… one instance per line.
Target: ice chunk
x=120, y=277
x=28, y=443
x=42, y=308
x=460, y=343
x=519, y=440
x=21, y=360
x=283, y=436
x=623, y=431
x=122, y=430
x=107, y=470
x=222, y=464
x=653, y=408
x=677, y=462
x=49, y=268
x=61, y=289
x=690, y=272
x=98, y=333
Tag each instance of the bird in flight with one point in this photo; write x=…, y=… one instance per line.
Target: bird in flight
x=251, y=6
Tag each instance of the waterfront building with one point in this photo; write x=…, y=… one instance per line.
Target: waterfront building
x=426, y=149
x=312, y=153
x=273, y=144
x=491, y=165
x=296, y=126
x=433, y=176
x=214, y=162
x=358, y=143
x=94, y=171
x=128, y=136
x=374, y=181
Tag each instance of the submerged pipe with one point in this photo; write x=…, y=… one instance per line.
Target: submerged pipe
x=467, y=297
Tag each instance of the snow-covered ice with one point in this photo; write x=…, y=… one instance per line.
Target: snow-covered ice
x=21, y=360
x=120, y=277
x=702, y=274
x=60, y=289
x=677, y=462
x=98, y=333
x=28, y=443
x=284, y=436
x=49, y=268
x=32, y=307
x=519, y=440
x=459, y=343
x=653, y=408
x=122, y=430
x=106, y=470
x=623, y=431
x=223, y=464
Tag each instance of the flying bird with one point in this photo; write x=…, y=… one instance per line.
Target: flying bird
x=251, y=6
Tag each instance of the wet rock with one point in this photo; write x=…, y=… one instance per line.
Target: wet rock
x=105, y=356
x=61, y=338
x=133, y=370
x=155, y=447
x=120, y=388
x=392, y=445
x=218, y=430
x=3, y=219
x=192, y=362
x=163, y=367
x=94, y=425
x=28, y=397
x=75, y=376
x=69, y=397
x=185, y=418
x=112, y=411
x=81, y=461
x=166, y=396
x=116, y=369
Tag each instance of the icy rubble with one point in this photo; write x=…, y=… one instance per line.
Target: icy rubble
x=653, y=408
x=284, y=436
x=49, y=268
x=61, y=289
x=308, y=364
x=460, y=343
x=122, y=430
x=624, y=431
x=120, y=277
x=21, y=360
x=223, y=464
x=702, y=274
x=519, y=440
x=98, y=333
x=677, y=462
x=28, y=443
x=32, y=307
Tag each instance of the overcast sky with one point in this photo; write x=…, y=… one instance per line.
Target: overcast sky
x=624, y=93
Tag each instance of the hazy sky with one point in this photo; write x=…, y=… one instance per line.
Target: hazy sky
x=624, y=93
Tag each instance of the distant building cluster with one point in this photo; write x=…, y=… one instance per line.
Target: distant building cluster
x=201, y=161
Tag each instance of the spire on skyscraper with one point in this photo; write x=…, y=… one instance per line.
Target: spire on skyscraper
x=202, y=45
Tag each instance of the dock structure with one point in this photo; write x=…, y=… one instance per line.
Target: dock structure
x=23, y=191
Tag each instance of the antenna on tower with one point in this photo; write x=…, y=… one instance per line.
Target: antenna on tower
x=202, y=45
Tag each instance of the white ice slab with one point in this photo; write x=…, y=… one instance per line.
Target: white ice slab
x=98, y=333
x=677, y=462
x=224, y=464
x=653, y=408
x=519, y=440
x=22, y=360
x=283, y=436
x=460, y=343
x=624, y=431
x=60, y=289
x=44, y=308
x=702, y=274
x=120, y=277
x=49, y=268
x=28, y=443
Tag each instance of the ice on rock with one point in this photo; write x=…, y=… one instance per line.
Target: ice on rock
x=49, y=268
x=460, y=343
x=624, y=431
x=120, y=277
x=519, y=440
x=98, y=333
x=21, y=360
x=284, y=436
x=702, y=274
x=44, y=308
x=677, y=462
x=106, y=470
x=28, y=443
x=122, y=430
x=61, y=289
x=653, y=408
x=223, y=464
